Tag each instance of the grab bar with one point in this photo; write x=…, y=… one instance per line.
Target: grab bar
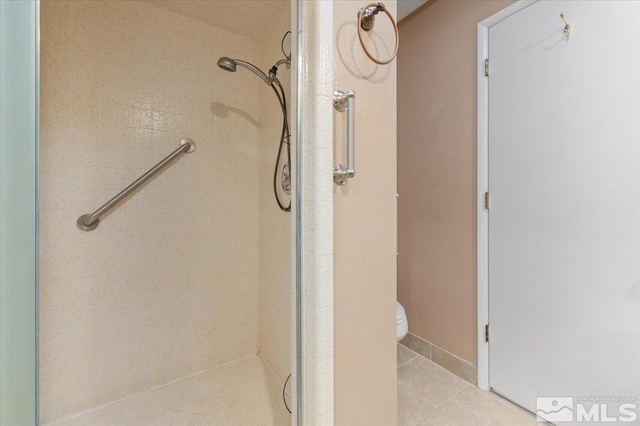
x=346, y=102
x=89, y=222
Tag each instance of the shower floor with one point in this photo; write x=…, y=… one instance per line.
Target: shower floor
x=244, y=392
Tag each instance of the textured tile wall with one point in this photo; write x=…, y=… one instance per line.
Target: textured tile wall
x=168, y=284
x=275, y=225
x=317, y=206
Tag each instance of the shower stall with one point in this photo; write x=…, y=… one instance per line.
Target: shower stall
x=179, y=307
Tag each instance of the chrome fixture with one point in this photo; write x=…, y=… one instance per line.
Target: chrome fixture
x=286, y=179
x=272, y=81
x=89, y=222
x=366, y=22
x=231, y=65
x=346, y=102
x=567, y=26
x=367, y=15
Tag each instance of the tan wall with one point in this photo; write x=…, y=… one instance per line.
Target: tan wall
x=437, y=171
x=365, y=230
x=275, y=225
x=168, y=284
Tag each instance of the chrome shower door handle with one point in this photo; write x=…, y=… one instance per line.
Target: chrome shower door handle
x=346, y=102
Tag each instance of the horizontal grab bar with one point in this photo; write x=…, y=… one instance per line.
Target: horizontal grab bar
x=89, y=222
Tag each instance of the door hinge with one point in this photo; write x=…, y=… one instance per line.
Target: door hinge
x=486, y=333
x=487, y=200
x=486, y=67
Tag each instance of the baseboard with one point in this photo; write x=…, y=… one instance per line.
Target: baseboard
x=458, y=366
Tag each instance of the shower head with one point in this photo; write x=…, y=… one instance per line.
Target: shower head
x=229, y=64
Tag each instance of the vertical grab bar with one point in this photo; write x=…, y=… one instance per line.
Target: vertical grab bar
x=346, y=102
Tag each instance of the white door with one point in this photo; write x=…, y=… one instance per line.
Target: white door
x=564, y=221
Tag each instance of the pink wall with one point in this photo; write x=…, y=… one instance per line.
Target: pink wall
x=437, y=171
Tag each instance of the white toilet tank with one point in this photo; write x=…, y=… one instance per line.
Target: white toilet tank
x=402, y=325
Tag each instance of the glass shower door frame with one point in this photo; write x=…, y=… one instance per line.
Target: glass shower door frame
x=19, y=60
x=298, y=271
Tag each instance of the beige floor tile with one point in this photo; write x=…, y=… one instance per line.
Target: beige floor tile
x=412, y=409
x=241, y=393
x=263, y=388
x=181, y=396
x=267, y=414
x=429, y=381
x=230, y=422
x=94, y=419
x=190, y=419
x=405, y=354
x=474, y=407
x=512, y=405
x=217, y=384
x=238, y=410
x=159, y=416
x=201, y=404
x=132, y=413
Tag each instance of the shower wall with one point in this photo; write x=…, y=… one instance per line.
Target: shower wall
x=275, y=225
x=168, y=285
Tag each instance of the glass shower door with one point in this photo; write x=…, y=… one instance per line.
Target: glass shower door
x=18, y=136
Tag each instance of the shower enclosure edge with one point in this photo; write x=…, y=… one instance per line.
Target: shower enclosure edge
x=19, y=47
x=296, y=25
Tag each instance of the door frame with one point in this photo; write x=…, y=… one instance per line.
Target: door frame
x=482, y=180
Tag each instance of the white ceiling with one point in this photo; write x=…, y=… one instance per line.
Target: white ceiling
x=406, y=7
x=245, y=17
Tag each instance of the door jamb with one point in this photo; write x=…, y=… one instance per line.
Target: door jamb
x=482, y=217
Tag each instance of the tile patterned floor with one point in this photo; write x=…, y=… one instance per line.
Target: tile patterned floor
x=246, y=393
x=242, y=393
x=429, y=395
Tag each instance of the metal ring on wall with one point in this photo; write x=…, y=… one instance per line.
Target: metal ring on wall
x=366, y=20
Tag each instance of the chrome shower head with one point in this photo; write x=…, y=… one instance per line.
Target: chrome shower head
x=227, y=64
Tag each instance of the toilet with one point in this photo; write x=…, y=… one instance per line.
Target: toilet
x=402, y=325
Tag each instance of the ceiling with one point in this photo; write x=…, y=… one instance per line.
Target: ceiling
x=249, y=18
x=406, y=7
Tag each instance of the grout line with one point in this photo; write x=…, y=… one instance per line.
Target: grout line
x=456, y=394
x=270, y=369
x=273, y=373
x=407, y=362
x=444, y=403
x=413, y=393
x=451, y=354
x=415, y=354
x=441, y=367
